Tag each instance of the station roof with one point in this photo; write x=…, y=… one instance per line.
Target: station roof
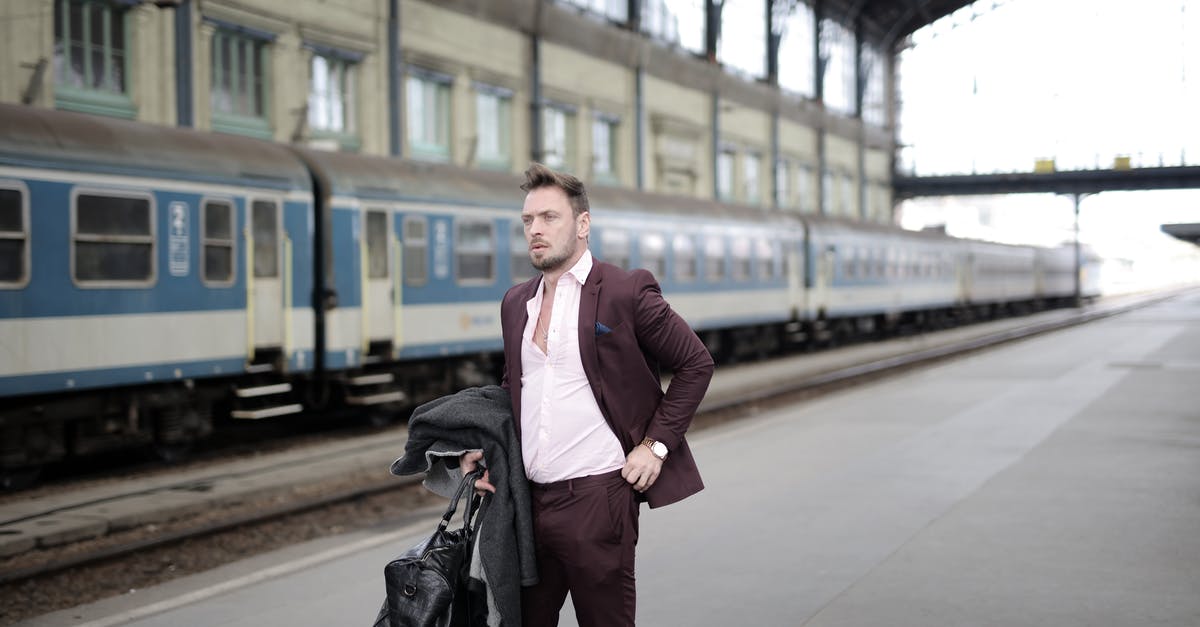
x=892, y=20
x=1186, y=232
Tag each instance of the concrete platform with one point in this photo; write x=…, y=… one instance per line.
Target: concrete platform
x=1052, y=481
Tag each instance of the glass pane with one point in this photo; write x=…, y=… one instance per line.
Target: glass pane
x=75, y=40
x=12, y=215
x=415, y=250
x=218, y=263
x=112, y=215
x=12, y=260
x=102, y=261
x=240, y=73
x=218, y=220
x=259, y=105
x=117, y=44
x=266, y=239
x=474, y=266
x=685, y=258
x=377, y=249
x=475, y=236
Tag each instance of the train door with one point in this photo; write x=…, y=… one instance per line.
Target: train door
x=264, y=284
x=376, y=278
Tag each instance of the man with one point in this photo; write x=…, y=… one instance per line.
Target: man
x=582, y=347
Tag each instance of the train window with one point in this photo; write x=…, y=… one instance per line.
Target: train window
x=849, y=267
x=741, y=259
x=766, y=262
x=474, y=252
x=714, y=259
x=416, y=251
x=684, y=250
x=218, y=241
x=653, y=250
x=14, y=233
x=114, y=239
x=377, y=244
x=615, y=247
x=265, y=225
x=520, y=266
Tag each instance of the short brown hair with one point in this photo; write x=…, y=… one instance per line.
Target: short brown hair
x=539, y=175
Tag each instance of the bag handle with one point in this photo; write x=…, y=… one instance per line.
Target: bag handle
x=468, y=480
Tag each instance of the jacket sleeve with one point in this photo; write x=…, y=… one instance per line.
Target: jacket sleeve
x=668, y=338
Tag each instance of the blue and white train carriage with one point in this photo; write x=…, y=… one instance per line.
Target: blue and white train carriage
x=136, y=261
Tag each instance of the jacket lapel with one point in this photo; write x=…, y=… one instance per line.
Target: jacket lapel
x=589, y=302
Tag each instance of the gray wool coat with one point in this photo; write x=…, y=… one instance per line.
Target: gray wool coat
x=439, y=432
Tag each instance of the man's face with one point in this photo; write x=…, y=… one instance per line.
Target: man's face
x=556, y=237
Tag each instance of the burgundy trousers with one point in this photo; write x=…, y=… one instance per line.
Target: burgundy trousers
x=585, y=531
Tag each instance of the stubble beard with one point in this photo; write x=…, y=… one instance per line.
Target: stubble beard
x=553, y=262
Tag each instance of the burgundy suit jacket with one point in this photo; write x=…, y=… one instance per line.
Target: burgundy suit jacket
x=626, y=331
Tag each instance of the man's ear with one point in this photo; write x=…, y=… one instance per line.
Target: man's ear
x=584, y=226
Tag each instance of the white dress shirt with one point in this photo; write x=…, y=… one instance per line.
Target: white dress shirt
x=563, y=432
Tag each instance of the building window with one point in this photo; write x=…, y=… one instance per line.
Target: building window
x=849, y=203
x=377, y=244
x=113, y=240
x=493, y=127
x=558, y=137
x=677, y=22
x=331, y=98
x=90, y=61
x=428, y=99
x=796, y=67
x=615, y=10
x=615, y=247
x=751, y=193
x=474, y=252
x=652, y=248
x=14, y=238
x=239, y=84
x=826, y=193
x=218, y=241
x=416, y=251
x=604, y=148
x=743, y=43
x=725, y=174
x=782, y=176
x=684, y=250
x=804, y=189
x=521, y=267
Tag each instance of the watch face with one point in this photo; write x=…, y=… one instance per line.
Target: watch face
x=659, y=449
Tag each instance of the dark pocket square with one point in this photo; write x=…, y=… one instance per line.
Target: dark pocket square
x=601, y=329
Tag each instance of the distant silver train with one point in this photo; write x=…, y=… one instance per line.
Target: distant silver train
x=155, y=279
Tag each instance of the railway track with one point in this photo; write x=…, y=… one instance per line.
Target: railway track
x=70, y=531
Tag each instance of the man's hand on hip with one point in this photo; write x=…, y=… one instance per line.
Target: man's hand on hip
x=467, y=462
x=641, y=468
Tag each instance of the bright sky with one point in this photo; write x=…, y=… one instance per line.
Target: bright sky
x=1000, y=84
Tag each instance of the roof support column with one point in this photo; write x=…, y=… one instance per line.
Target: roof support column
x=395, y=82
x=184, y=97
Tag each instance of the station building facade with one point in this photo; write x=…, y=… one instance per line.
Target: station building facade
x=489, y=84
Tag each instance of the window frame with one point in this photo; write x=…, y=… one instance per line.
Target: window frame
x=459, y=251
x=347, y=66
x=519, y=250
x=231, y=120
x=441, y=85
x=611, y=123
x=367, y=211
x=25, y=235
x=151, y=207
x=684, y=245
x=569, y=115
x=86, y=99
x=659, y=254
x=408, y=243
x=206, y=241
x=614, y=238
x=503, y=158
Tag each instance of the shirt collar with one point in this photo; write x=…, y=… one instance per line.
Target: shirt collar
x=582, y=268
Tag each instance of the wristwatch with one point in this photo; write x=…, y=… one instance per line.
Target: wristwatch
x=658, y=448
